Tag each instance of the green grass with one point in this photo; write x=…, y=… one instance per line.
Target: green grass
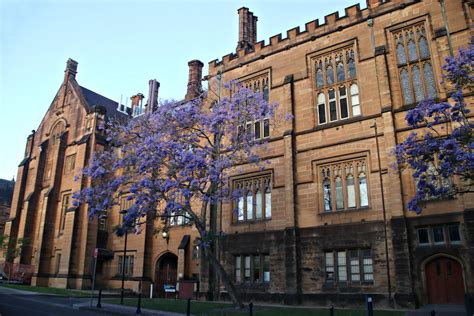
x=221, y=309
x=47, y=290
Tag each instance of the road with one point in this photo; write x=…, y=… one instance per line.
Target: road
x=22, y=303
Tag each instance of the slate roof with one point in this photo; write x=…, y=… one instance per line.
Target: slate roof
x=93, y=99
x=6, y=192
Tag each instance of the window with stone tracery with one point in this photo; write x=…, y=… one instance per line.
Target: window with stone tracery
x=415, y=67
x=344, y=185
x=337, y=91
x=255, y=199
x=257, y=129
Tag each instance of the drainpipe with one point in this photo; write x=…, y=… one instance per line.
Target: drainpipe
x=445, y=20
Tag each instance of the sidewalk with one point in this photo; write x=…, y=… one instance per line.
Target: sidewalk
x=120, y=309
x=441, y=310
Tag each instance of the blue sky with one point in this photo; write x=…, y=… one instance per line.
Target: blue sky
x=119, y=46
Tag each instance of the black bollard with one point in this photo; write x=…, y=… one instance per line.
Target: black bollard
x=188, y=308
x=331, y=311
x=99, y=305
x=251, y=309
x=139, y=309
x=370, y=305
x=433, y=313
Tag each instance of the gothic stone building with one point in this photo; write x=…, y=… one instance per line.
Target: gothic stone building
x=310, y=228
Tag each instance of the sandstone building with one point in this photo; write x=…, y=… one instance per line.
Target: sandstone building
x=6, y=193
x=311, y=226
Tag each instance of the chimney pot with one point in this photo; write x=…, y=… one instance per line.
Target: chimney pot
x=71, y=69
x=194, y=79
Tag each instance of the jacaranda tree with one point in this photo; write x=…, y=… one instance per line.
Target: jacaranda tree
x=177, y=162
x=441, y=153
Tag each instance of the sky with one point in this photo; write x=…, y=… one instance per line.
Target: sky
x=119, y=45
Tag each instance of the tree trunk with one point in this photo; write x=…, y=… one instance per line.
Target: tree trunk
x=229, y=286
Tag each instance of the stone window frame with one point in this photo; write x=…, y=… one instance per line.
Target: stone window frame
x=129, y=264
x=342, y=163
x=240, y=268
x=363, y=262
x=257, y=82
x=401, y=35
x=333, y=57
x=258, y=185
x=70, y=163
x=446, y=234
x=66, y=198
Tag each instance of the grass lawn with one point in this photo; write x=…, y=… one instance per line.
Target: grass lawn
x=221, y=309
x=47, y=290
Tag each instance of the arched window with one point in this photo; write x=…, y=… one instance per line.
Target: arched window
x=355, y=100
x=319, y=76
x=417, y=83
x=327, y=195
x=350, y=187
x=332, y=105
x=240, y=208
x=424, y=50
x=341, y=76
x=339, y=193
x=249, y=205
x=351, y=65
x=268, y=203
x=322, y=108
x=329, y=72
x=412, y=54
x=258, y=204
x=402, y=59
x=265, y=92
x=406, y=86
x=429, y=79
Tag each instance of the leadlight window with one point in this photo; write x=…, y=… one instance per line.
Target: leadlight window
x=64, y=206
x=354, y=266
x=344, y=185
x=439, y=235
x=129, y=262
x=255, y=199
x=414, y=64
x=258, y=129
x=70, y=164
x=336, y=84
x=256, y=268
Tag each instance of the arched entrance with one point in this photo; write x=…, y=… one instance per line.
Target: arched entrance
x=444, y=281
x=166, y=271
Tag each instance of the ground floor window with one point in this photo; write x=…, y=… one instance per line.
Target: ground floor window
x=129, y=261
x=252, y=268
x=349, y=266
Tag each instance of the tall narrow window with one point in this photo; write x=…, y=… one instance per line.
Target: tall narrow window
x=341, y=266
x=341, y=76
x=322, y=108
x=319, y=76
x=58, y=262
x=368, y=265
x=249, y=206
x=256, y=269
x=354, y=264
x=351, y=200
x=418, y=84
x=240, y=210
x=355, y=100
x=64, y=207
x=401, y=54
x=247, y=269
x=332, y=105
x=329, y=266
x=339, y=194
x=238, y=262
x=343, y=102
x=326, y=173
x=329, y=72
x=265, y=92
x=266, y=127
x=429, y=79
x=406, y=86
x=268, y=203
x=258, y=204
x=266, y=268
x=351, y=65
x=364, y=199
x=257, y=129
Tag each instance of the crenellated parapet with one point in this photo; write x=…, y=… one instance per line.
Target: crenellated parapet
x=312, y=31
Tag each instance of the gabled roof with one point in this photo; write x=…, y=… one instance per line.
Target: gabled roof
x=94, y=99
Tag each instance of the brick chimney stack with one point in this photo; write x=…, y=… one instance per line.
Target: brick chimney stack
x=71, y=69
x=194, y=80
x=247, y=29
x=152, y=102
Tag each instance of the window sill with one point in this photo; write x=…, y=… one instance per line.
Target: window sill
x=331, y=285
x=257, y=221
x=349, y=210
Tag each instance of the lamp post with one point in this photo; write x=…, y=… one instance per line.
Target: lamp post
x=166, y=236
x=384, y=214
x=123, y=263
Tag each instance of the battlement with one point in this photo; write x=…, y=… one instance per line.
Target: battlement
x=313, y=30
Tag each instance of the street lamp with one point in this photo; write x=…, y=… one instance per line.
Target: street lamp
x=166, y=235
x=123, y=260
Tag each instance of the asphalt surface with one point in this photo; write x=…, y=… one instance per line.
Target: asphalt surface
x=21, y=303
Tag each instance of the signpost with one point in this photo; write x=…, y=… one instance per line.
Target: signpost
x=96, y=254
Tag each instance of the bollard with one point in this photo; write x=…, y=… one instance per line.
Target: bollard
x=188, y=308
x=433, y=313
x=139, y=310
x=251, y=309
x=99, y=305
x=331, y=311
x=370, y=306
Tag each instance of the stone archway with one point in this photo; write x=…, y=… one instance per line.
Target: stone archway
x=444, y=282
x=166, y=273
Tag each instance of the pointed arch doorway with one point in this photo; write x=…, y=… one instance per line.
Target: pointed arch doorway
x=444, y=281
x=166, y=272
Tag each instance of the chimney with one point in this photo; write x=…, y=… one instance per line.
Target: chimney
x=152, y=102
x=247, y=29
x=71, y=69
x=137, y=104
x=194, y=80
